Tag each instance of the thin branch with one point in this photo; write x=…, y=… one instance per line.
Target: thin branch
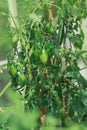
x=12, y=17
x=5, y=88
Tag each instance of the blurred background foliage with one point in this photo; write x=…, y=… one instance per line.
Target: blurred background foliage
x=4, y=28
x=14, y=118
x=5, y=46
x=4, y=40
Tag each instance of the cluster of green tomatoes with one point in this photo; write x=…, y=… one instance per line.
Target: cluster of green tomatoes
x=34, y=64
x=37, y=47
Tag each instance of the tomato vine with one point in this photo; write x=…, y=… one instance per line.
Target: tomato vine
x=46, y=67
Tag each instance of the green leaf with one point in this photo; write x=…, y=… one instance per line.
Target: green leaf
x=35, y=17
x=82, y=80
x=77, y=40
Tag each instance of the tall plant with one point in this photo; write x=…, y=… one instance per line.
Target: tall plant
x=45, y=71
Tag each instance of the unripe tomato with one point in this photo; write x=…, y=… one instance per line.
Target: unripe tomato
x=15, y=41
x=49, y=28
x=15, y=38
x=33, y=90
x=12, y=70
x=30, y=77
x=44, y=57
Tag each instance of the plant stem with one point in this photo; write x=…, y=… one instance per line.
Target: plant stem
x=5, y=88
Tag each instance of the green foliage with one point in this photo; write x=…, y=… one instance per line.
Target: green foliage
x=45, y=70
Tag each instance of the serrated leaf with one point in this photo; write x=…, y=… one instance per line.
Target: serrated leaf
x=35, y=17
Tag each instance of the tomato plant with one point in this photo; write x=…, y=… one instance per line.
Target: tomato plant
x=46, y=67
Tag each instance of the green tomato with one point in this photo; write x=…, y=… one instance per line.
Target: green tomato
x=15, y=38
x=44, y=57
x=12, y=70
x=30, y=77
x=15, y=41
x=49, y=28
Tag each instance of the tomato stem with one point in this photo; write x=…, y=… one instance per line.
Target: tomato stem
x=5, y=88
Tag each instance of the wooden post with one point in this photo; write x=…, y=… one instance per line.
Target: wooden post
x=51, y=11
